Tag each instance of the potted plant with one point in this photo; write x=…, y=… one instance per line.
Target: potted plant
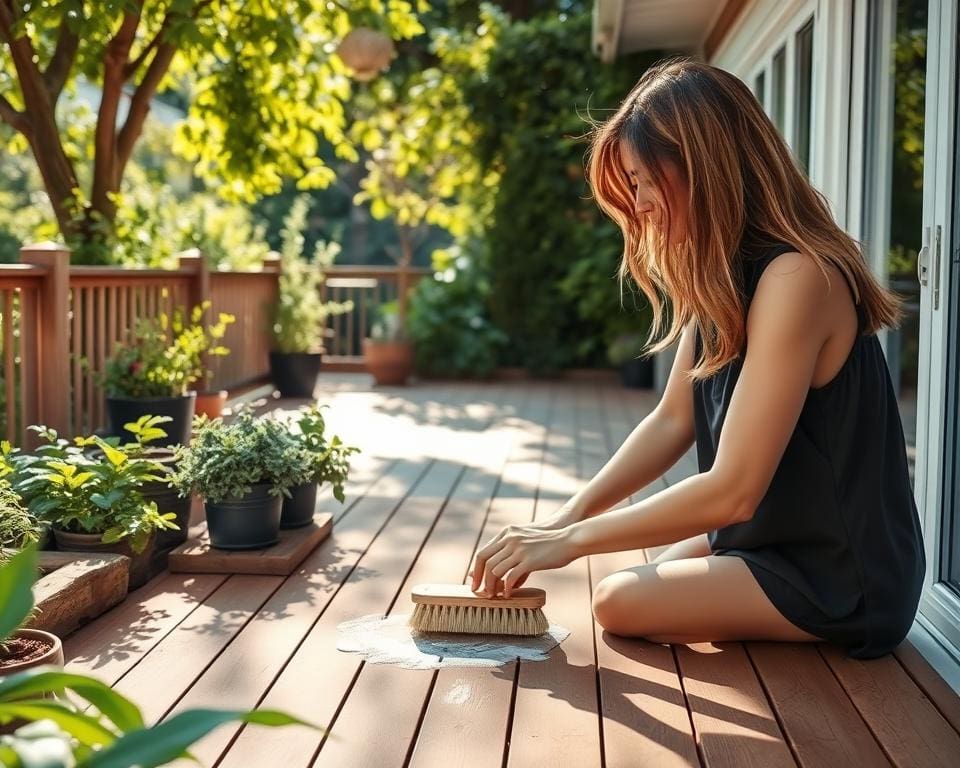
x=322, y=461
x=388, y=353
x=210, y=402
x=300, y=314
x=93, y=501
x=18, y=526
x=44, y=727
x=241, y=471
x=21, y=648
x=624, y=351
x=153, y=371
x=146, y=431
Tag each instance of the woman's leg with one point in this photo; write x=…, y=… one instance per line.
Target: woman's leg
x=688, y=600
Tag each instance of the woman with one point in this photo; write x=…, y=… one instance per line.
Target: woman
x=801, y=524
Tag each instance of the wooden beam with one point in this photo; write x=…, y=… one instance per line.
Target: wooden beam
x=730, y=13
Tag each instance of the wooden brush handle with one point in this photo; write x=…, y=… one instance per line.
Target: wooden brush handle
x=461, y=594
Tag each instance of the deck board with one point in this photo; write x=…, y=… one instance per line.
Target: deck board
x=444, y=467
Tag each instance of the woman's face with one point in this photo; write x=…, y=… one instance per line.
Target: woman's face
x=647, y=201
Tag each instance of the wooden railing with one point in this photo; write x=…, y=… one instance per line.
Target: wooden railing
x=59, y=324
x=368, y=288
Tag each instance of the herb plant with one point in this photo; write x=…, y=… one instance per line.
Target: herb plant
x=300, y=314
x=225, y=461
x=323, y=461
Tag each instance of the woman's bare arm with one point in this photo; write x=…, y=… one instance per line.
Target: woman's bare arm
x=654, y=446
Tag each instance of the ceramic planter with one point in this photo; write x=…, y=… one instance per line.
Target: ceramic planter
x=295, y=374
x=90, y=542
x=389, y=362
x=122, y=410
x=299, y=508
x=211, y=404
x=250, y=522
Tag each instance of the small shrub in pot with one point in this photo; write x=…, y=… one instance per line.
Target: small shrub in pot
x=323, y=461
x=242, y=470
x=152, y=372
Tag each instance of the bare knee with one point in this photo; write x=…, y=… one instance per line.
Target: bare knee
x=618, y=603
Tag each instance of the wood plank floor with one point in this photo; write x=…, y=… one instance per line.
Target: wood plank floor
x=444, y=467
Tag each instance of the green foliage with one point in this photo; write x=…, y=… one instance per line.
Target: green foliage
x=324, y=461
x=225, y=461
x=90, y=486
x=529, y=105
x=448, y=323
x=300, y=314
x=95, y=727
x=164, y=355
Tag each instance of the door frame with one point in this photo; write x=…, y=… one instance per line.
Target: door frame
x=938, y=620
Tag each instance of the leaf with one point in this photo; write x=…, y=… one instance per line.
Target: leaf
x=84, y=728
x=16, y=594
x=149, y=747
x=41, y=680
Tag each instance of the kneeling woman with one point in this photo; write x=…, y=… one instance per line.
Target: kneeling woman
x=801, y=524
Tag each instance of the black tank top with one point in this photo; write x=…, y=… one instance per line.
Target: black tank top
x=836, y=541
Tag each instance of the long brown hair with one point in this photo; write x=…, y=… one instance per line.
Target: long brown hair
x=745, y=189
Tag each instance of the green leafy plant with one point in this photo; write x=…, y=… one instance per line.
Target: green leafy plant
x=165, y=355
x=18, y=526
x=79, y=490
x=324, y=461
x=225, y=461
x=95, y=727
x=387, y=325
x=448, y=322
x=300, y=314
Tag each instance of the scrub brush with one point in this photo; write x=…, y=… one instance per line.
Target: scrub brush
x=456, y=608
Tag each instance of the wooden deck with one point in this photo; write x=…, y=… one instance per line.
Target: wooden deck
x=444, y=467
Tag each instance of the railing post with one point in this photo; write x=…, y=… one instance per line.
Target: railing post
x=192, y=261
x=52, y=405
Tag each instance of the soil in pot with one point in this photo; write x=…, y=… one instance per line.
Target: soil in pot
x=295, y=374
x=211, y=404
x=299, y=508
x=30, y=648
x=250, y=522
x=140, y=570
x=122, y=410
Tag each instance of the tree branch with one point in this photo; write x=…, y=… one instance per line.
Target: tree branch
x=18, y=120
x=58, y=70
x=134, y=65
x=140, y=103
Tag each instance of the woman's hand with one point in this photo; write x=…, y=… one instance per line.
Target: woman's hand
x=516, y=552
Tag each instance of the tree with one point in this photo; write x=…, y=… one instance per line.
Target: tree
x=263, y=81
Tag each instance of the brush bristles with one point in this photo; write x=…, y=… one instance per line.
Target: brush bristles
x=478, y=620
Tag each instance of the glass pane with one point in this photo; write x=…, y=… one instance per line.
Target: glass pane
x=804, y=79
x=909, y=63
x=758, y=86
x=779, y=96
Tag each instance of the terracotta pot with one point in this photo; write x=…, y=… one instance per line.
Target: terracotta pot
x=53, y=654
x=211, y=404
x=389, y=362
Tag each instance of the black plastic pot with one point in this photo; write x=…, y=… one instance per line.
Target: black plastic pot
x=122, y=410
x=299, y=508
x=637, y=373
x=295, y=374
x=251, y=522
